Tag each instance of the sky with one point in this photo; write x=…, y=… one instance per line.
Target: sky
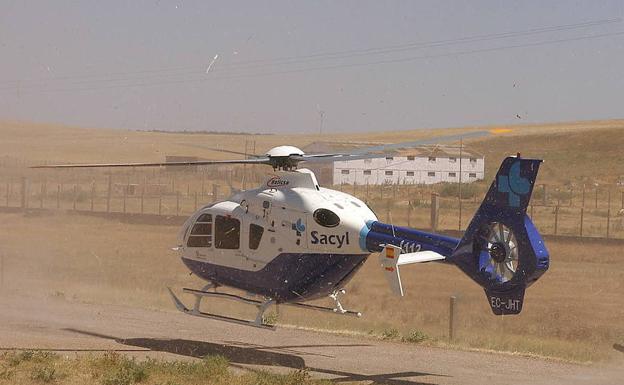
x=307, y=66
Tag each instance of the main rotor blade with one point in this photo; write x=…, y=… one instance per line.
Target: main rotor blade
x=158, y=164
x=219, y=150
x=336, y=157
x=316, y=156
x=416, y=143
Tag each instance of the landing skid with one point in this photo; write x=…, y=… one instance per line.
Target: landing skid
x=199, y=294
x=262, y=306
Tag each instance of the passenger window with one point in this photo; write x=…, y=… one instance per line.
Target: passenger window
x=201, y=233
x=227, y=232
x=255, y=236
x=326, y=218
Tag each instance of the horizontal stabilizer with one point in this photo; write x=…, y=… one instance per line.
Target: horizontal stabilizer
x=391, y=258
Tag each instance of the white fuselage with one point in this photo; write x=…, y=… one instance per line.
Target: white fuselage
x=274, y=219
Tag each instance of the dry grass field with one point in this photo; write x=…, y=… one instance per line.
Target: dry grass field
x=575, y=312
x=54, y=143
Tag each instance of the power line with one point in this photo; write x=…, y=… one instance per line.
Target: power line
x=431, y=44
x=292, y=60
x=337, y=66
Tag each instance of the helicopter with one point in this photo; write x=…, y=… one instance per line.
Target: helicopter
x=291, y=240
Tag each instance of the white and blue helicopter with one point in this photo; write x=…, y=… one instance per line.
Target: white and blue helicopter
x=291, y=240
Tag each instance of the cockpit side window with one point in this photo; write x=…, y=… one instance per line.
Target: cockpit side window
x=201, y=233
x=255, y=236
x=227, y=232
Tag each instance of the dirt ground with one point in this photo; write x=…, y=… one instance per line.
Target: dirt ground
x=109, y=276
x=30, y=322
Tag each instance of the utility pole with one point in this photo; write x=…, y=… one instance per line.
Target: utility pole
x=321, y=119
x=244, y=184
x=461, y=145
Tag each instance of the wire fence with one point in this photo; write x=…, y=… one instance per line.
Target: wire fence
x=596, y=212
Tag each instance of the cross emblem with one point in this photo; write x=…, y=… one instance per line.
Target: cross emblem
x=514, y=185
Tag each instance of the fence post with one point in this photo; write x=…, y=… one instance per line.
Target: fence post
x=556, y=218
x=531, y=211
x=195, y=200
x=435, y=207
x=177, y=203
x=215, y=192
x=23, y=204
x=596, y=198
x=110, y=190
x=409, y=213
x=125, y=197
x=608, y=211
x=459, y=219
x=58, y=196
x=582, y=216
x=160, y=203
x=142, y=198
x=544, y=197
x=583, y=197
x=41, y=194
x=92, y=195
x=452, y=308
x=75, y=197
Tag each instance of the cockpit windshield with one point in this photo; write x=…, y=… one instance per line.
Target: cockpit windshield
x=201, y=233
x=227, y=232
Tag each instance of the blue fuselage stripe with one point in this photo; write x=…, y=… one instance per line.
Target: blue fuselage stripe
x=408, y=239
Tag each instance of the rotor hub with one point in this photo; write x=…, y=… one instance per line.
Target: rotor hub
x=498, y=252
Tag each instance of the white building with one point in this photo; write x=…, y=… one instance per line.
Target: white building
x=424, y=165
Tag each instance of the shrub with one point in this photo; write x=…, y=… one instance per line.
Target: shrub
x=390, y=334
x=43, y=373
x=216, y=365
x=271, y=318
x=126, y=372
x=297, y=377
x=469, y=190
x=16, y=358
x=415, y=337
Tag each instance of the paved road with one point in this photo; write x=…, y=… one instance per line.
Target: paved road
x=58, y=324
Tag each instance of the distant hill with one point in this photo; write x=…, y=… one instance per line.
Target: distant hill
x=574, y=152
x=578, y=156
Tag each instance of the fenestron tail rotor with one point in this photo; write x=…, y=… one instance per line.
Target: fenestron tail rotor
x=499, y=252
